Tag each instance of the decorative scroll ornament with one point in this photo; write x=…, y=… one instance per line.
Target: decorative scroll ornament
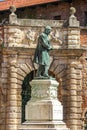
x=1, y=39
x=28, y=38
x=17, y=37
x=47, y=93
x=1, y=36
x=55, y=38
x=31, y=37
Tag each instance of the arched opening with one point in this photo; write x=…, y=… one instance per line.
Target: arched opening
x=85, y=121
x=26, y=89
x=26, y=92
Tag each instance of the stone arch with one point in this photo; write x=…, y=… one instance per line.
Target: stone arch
x=26, y=93
x=84, y=120
x=59, y=71
x=17, y=72
x=23, y=71
x=2, y=106
x=84, y=112
x=56, y=70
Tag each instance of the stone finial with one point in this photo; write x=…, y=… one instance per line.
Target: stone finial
x=13, y=16
x=72, y=10
x=12, y=9
x=73, y=22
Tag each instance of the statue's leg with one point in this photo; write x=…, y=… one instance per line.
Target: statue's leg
x=40, y=71
x=46, y=67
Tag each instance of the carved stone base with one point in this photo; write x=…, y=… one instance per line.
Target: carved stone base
x=44, y=111
x=46, y=125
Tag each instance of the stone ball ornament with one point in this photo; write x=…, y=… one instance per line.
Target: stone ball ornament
x=12, y=8
x=72, y=10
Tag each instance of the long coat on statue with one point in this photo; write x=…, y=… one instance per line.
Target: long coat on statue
x=42, y=50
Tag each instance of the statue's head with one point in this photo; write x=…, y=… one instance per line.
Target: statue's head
x=48, y=29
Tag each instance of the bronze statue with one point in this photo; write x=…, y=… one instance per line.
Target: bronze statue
x=41, y=56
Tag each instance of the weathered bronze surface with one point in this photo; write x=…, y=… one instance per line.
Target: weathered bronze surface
x=41, y=56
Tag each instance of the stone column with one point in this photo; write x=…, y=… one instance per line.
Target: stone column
x=13, y=106
x=4, y=68
x=2, y=110
x=73, y=30
x=73, y=38
x=75, y=86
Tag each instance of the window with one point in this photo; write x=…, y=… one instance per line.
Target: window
x=70, y=1
x=58, y=17
x=86, y=18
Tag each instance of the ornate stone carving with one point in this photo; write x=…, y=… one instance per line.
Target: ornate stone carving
x=16, y=37
x=27, y=37
x=31, y=35
x=1, y=38
x=39, y=93
x=48, y=92
x=55, y=36
x=3, y=92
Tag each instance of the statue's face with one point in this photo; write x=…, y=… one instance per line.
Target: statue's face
x=47, y=31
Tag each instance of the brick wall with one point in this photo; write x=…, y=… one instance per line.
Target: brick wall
x=55, y=9
x=81, y=7
x=83, y=37
x=6, y=4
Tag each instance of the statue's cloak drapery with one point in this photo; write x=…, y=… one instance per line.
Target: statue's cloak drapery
x=41, y=53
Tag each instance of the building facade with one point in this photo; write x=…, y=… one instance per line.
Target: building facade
x=59, y=9
x=18, y=39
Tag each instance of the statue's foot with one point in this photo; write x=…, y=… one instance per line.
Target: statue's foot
x=46, y=75
x=39, y=77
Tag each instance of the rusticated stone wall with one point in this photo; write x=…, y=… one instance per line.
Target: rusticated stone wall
x=75, y=99
x=13, y=70
x=19, y=63
x=3, y=89
x=84, y=89
x=19, y=67
x=17, y=52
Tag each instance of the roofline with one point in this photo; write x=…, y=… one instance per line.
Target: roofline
x=6, y=5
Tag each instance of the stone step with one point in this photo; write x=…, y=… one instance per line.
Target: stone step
x=44, y=128
x=49, y=125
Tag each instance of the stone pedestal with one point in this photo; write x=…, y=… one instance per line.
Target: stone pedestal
x=44, y=111
x=13, y=19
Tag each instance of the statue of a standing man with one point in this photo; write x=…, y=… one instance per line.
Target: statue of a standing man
x=41, y=56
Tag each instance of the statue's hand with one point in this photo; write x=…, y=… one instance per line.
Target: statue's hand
x=51, y=48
